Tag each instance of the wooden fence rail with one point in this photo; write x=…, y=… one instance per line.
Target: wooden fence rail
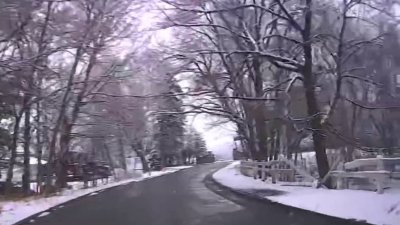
x=379, y=171
x=276, y=169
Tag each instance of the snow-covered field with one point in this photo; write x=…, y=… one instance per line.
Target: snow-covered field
x=349, y=204
x=14, y=211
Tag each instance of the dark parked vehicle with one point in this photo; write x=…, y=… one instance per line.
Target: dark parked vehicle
x=208, y=157
x=15, y=188
x=81, y=172
x=95, y=170
x=155, y=163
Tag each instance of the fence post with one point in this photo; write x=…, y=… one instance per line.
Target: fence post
x=273, y=175
x=263, y=171
x=379, y=163
x=379, y=185
x=296, y=168
x=255, y=167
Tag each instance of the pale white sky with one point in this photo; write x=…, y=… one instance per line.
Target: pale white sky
x=219, y=138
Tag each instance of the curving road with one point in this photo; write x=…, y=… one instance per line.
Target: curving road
x=181, y=198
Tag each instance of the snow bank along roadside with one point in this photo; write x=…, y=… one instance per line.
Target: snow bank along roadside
x=14, y=211
x=348, y=204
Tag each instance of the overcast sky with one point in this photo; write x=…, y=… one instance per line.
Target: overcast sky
x=219, y=138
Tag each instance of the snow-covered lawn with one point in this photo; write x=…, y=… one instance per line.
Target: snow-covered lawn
x=349, y=204
x=14, y=211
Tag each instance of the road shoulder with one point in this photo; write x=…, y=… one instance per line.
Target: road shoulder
x=243, y=194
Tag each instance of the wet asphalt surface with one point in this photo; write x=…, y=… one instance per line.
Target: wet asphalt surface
x=187, y=197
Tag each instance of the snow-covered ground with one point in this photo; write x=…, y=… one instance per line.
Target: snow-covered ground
x=14, y=211
x=349, y=204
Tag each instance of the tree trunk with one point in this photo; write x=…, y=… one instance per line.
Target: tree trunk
x=271, y=152
x=109, y=159
x=39, y=61
x=259, y=113
x=251, y=145
x=318, y=131
x=13, y=149
x=61, y=175
x=39, y=147
x=61, y=164
x=349, y=153
x=122, y=158
x=60, y=118
x=66, y=134
x=277, y=144
x=26, y=177
x=143, y=160
x=140, y=153
x=261, y=134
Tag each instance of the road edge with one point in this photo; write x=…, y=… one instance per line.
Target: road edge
x=209, y=181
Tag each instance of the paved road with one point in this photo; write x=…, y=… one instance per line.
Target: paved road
x=181, y=198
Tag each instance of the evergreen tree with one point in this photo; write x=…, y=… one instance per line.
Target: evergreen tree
x=195, y=145
x=199, y=144
x=169, y=126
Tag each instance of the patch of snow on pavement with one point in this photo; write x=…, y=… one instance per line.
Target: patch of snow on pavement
x=44, y=214
x=348, y=204
x=164, y=171
x=14, y=211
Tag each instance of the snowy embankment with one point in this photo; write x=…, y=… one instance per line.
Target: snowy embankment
x=14, y=211
x=348, y=204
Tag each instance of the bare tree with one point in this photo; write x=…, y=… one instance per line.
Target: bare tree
x=266, y=47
